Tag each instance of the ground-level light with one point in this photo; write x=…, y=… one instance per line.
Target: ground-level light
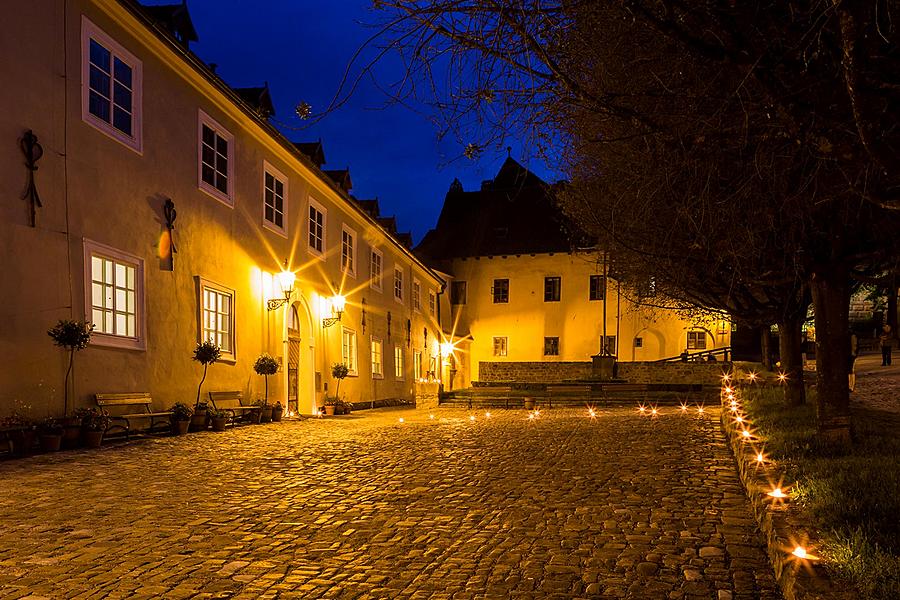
x=402, y=420
x=777, y=493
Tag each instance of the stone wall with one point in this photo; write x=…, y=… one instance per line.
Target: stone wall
x=533, y=371
x=427, y=394
x=672, y=372
x=632, y=372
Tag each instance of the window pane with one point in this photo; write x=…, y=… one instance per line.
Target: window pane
x=99, y=55
x=98, y=106
x=99, y=82
x=122, y=73
x=96, y=294
x=221, y=145
x=130, y=324
x=121, y=326
x=97, y=318
x=209, y=137
x=121, y=302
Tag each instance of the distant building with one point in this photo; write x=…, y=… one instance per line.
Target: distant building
x=525, y=286
x=130, y=120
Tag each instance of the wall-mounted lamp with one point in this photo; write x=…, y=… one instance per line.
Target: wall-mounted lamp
x=337, y=310
x=285, y=281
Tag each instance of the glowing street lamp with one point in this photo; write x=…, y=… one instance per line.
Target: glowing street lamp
x=338, y=303
x=286, y=280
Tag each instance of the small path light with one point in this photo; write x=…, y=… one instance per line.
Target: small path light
x=699, y=410
x=777, y=493
x=592, y=413
x=472, y=418
x=487, y=415
x=746, y=434
x=430, y=416
x=782, y=377
x=684, y=408
x=654, y=412
x=739, y=419
x=531, y=416
x=760, y=458
x=752, y=376
x=402, y=420
x=801, y=553
x=642, y=409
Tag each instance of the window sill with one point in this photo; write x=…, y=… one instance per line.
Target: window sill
x=106, y=340
x=275, y=229
x=216, y=194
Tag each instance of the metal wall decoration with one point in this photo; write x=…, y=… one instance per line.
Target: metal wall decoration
x=364, y=316
x=33, y=152
x=425, y=338
x=408, y=333
x=389, y=326
x=170, y=215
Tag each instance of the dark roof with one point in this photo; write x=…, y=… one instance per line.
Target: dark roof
x=258, y=98
x=340, y=177
x=175, y=18
x=389, y=224
x=405, y=239
x=515, y=213
x=313, y=150
x=371, y=207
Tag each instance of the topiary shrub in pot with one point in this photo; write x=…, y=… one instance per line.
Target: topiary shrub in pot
x=277, y=412
x=205, y=353
x=73, y=336
x=181, y=418
x=94, y=423
x=265, y=365
x=50, y=434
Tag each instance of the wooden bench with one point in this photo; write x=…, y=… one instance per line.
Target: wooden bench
x=232, y=403
x=115, y=404
x=490, y=392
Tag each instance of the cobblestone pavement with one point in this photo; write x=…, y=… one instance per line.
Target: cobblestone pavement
x=876, y=386
x=561, y=506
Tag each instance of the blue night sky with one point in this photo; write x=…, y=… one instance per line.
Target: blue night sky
x=302, y=49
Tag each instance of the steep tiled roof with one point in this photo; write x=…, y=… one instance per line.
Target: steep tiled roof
x=515, y=213
x=258, y=98
x=175, y=18
x=313, y=150
x=340, y=177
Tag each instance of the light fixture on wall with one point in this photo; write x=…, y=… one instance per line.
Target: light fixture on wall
x=338, y=303
x=285, y=281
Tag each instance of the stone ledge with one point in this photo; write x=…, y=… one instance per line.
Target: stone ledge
x=781, y=524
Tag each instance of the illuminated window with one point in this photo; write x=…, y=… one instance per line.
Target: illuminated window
x=377, y=359
x=417, y=294
x=500, y=346
x=114, y=295
x=316, y=228
x=348, y=250
x=398, y=362
x=432, y=303
x=111, y=86
x=551, y=346
x=552, y=287
x=500, y=291
x=398, y=285
x=417, y=364
x=458, y=292
x=376, y=267
x=216, y=159
x=696, y=340
x=596, y=287
x=348, y=350
x=274, y=199
x=217, y=315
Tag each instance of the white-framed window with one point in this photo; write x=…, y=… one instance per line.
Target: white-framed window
x=275, y=199
x=216, y=315
x=551, y=346
x=349, y=350
x=317, y=219
x=696, y=340
x=399, y=366
x=500, y=346
x=215, y=161
x=376, y=269
x=114, y=296
x=417, y=295
x=377, y=358
x=111, y=81
x=417, y=365
x=432, y=303
x=348, y=250
x=398, y=284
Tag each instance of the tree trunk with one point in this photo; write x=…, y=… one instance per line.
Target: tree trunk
x=66, y=391
x=200, y=387
x=831, y=300
x=892, y=307
x=790, y=339
x=765, y=347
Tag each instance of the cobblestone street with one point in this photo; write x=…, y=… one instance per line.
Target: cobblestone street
x=366, y=506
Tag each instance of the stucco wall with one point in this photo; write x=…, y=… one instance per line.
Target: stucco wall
x=95, y=188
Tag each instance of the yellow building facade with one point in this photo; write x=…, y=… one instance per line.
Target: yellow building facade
x=168, y=208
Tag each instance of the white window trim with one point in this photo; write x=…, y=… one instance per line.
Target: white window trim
x=432, y=303
x=399, y=374
x=394, y=285
x=268, y=168
x=355, y=250
x=136, y=141
x=205, y=119
x=355, y=371
x=203, y=283
x=139, y=342
x=319, y=207
x=505, y=346
x=372, y=358
x=412, y=289
x=377, y=285
x=421, y=371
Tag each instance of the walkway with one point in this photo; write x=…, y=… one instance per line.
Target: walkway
x=559, y=507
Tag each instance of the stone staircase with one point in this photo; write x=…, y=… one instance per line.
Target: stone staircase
x=579, y=394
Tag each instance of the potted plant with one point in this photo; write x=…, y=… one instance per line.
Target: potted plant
x=255, y=415
x=277, y=412
x=73, y=336
x=205, y=353
x=181, y=418
x=265, y=365
x=94, y=423
x=339, y=371
x=218, y=419
x=50, y=434
x=21, y=433
x=330, y=405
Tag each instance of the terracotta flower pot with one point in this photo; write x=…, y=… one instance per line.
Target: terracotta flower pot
x=254, y=416
x=218, y=423
x=329, y=410
x=180, y=427
x=277, y=413
x=529, y=403
x=22, y=442
x=198, y=421
x=92, y=439
x=266, y=414
x=51, y=442
x=71, y=432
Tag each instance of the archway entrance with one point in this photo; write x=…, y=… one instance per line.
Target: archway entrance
x=299, y=357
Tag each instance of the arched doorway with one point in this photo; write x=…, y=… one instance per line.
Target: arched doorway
x=299, y=358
